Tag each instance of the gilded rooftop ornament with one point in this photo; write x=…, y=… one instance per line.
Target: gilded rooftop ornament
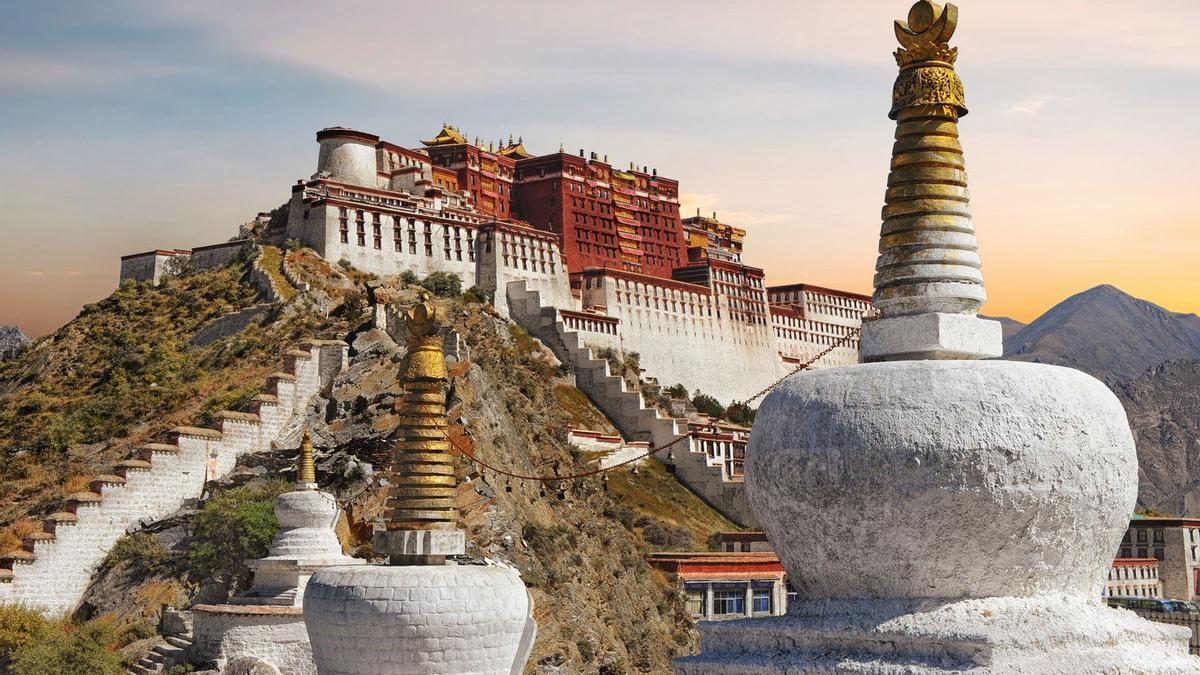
x=424, y=486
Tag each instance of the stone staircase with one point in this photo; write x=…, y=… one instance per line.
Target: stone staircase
x=627, y=409
x=171, y=651
x=53, y=568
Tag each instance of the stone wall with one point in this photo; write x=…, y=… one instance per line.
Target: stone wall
x=217, y=255
x=54, y=567
x=149, y=266
x=275, y=635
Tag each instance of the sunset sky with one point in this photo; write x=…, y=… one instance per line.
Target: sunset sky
x=126, y=126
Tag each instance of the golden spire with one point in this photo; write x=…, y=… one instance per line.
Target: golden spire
x=306, y=474
x=424, y=487
x=928, y=260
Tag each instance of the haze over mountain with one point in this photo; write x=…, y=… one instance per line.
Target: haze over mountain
x=1107, y=333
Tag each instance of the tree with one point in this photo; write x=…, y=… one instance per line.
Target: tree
x=443, y=284
x=231, y=527
x=708, y=405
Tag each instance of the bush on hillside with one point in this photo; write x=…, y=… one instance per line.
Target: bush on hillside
x=676, y=391
x=708, y=405
x=740, y=413
x=32, y=645
x=20, y=628
x=658, y=533
x=474, y=295
x=443, y=284
x=231, y=527
x=142, y=549
x=409, y=277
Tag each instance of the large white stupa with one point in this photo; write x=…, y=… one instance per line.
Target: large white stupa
x=937, y=513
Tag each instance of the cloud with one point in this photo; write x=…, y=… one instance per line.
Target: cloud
x=545, y=44
x=27, y=70
x=1032, y=105
x=37, y=273
x=707, y=204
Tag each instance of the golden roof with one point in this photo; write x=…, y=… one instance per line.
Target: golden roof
x=447, y=136
x=515, y=150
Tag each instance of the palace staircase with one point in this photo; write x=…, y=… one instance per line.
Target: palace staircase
x=53, y=568
x=627, y=409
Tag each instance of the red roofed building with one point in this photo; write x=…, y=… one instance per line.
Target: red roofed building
x=719, y=586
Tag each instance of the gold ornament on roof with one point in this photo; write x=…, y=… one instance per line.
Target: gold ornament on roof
x=424, y=487
x=926, y=60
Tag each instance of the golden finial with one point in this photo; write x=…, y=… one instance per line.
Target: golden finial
x=306, y=474
x=424, y=486
x=926, y=60
x=561, y=147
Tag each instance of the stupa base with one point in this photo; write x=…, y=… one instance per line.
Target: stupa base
x=992, y=635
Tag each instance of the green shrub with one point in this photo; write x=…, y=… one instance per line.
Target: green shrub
x=677, y=391
x=443, y=284
x=293, y=244
x=231, y=527
x=708, y=405
x=740, y=413
x=409, y=277
x=20, y=628
x=142, y=549
x=87, y=649
x=474, y=295
x=586, y=651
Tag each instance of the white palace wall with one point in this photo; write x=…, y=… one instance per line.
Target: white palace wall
x=688, y=337
x=376, y=238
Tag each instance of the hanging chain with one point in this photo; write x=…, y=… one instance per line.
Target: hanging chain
x=550, y=479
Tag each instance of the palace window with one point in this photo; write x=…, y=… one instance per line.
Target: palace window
x=343, y=226
x=762, y=600
x=428, y=239
x=412, y=236
x=729, y=602
x=361, y=229
x=695, y=601
x=377, y=231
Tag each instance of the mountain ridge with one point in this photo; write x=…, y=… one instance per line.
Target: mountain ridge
x=1107, y=333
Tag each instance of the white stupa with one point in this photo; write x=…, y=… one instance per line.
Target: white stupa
x=934, y=512
x=266, y=624
x=305, y=542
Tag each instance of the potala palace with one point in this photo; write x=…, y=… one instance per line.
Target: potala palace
x=558, y=239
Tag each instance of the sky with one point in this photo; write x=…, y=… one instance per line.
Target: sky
x=128, y=125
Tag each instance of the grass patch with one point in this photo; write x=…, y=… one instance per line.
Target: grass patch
x=655, y=496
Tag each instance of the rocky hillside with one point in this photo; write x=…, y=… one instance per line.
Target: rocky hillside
x=12, y=341
x=147, y=359
x=1164, y=410
x=1107, y=333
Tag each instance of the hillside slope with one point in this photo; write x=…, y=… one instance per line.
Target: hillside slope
x=1164, y=411
x=580, y=545
x=1107, y=333
x=133, y=365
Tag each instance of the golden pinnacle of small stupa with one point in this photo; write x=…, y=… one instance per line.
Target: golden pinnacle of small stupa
x=306, y=473
x=424, y=487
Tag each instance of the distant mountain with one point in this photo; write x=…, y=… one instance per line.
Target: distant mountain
x=1107, y=333
x=1010, y=327
x=1163, y=405
x=11, y=340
